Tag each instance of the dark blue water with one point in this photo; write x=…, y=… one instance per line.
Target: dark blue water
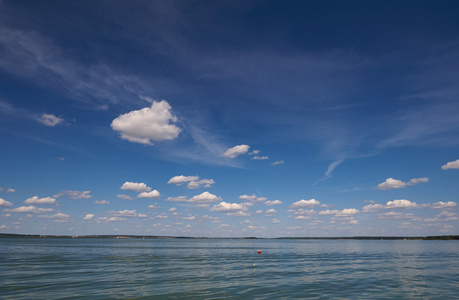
x=227, y=269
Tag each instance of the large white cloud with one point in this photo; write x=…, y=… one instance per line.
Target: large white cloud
x=236, y=150
x=305, y=203
x=152, y=195
x=148, y=124
x=36, y=200
x=135, y=187
x=50, y=120
x=451, y=165
x=3, y=202
x=392, y=183
x=205, y=197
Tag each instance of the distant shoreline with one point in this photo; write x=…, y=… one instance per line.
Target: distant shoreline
x=438, y=237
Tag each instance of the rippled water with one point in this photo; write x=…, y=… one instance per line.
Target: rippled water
x=227, y=269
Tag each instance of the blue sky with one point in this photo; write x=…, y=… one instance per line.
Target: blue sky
x=229, y=118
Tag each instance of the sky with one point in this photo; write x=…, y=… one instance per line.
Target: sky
x=229, y=118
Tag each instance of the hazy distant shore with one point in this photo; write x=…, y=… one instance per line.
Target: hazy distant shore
x=439, y=237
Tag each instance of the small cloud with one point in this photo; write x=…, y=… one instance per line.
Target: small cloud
x=10, y=190
x=401, y=204
x=4, y=227
x=451, y=165
x=372, y=208
x=148, y=124
x=88, y=217
x=50, y=120
x=135, y=187
x=56, y=216
x=236, y=150
x=254, y=152
x=260, y=157
x=102, y=202
x=151, y=206
x=30, y=209
x=74, y=194
x=152, y=195
x=443, y=205
x=123, y=213
x=274, y=202
x=5, y=203
x=61, y=158
x=193, y=181
x=36, y=200
x=279, y=162
x=276, y=220
x=205, y=197
x=177, y=199
x=125, y=197
x=270, y=212
x=392, y=183
x=228, y=207
x=252, y=198
x=305, y=203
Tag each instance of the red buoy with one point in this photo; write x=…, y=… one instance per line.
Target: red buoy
x=259, y=251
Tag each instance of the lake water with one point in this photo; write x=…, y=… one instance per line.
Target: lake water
x=227, y=269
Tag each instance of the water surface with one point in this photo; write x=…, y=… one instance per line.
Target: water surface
x=34, y=268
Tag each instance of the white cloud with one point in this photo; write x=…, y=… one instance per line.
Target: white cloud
x=276, y=220
x=279, y=162
x=451, y=165
x=30, y=209
x=305, y=203
x=270, y=212
x=148, y=124
x=50, y=120
x=274, y=202
x=151, y=206
x=74, y=194
x=56, y=216
x=252, y=198
x=398, y=216
x=180, y=179
x=102, y=202
x=372, y=208
x=177, y=199
x=142, y=215
x=10, y=190
x=135, y=187
x=125, y=197
x=392, y=183
x=4, y=227
x=329, y=212
x=402, y=203
x=116, y=219
x=36, y=200
x=193, y=181
x=3, y=202
x=260, y=157
x=332, y=167
x=238, y=214
x=236, y=150
x=447, y=216
x=88, y=217
x=442, y=205
x=254, y=152
x=123, y=213
x=205, y=197
x=228, y=207
x=152, y=195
